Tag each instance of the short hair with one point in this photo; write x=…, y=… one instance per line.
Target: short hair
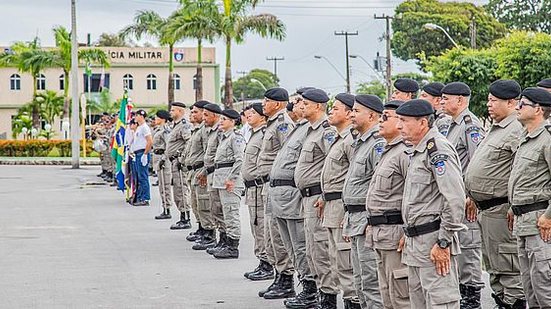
x=430, y=119
x=546, y=111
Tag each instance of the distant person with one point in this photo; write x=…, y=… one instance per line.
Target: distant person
x=142, y=145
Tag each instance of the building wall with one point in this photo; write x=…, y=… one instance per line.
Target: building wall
x=139, y=62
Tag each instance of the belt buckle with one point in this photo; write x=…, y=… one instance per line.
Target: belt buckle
x=307, y=190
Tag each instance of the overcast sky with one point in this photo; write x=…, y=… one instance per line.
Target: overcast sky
x=310, y=31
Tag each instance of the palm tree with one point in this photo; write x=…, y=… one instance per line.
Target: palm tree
x=19, y=122
x=196, y=19
x=51, y=105
x=149, y=23
x=104, y=103
x=62, y=58
x=235, y=22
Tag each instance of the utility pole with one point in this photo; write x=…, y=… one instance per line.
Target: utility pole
x=346, y=34
x=242, y=73
x=275, y=60
x=75, y=115
x=473, y=33
x=388, y=75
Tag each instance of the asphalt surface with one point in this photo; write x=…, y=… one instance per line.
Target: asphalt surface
x=68, y=241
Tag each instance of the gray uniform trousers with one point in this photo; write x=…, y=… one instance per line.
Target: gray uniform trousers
x=535, y=268
x=275, y=249
x=429, y=290
x=364, y=263
x=165, y=178
x=393, y=279
x=317, y=247
x=216, y=206
x=470, y=259
x=204, y=212
x=180, y=188
x=341, y=260
x=230, y=211
x=253, y=199
x=500, y=254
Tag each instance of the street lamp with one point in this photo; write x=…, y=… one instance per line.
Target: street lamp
x=377, y=74
x=258, y=82
x=432, y=26
x=334, y=67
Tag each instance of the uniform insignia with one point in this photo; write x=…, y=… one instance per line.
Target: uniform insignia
x=467, y=119
x=283, y=127
x=380, y=148
x=239, y=139
x=443, y=129
x=329, y=137
x=431, y=146
x=475, y=137
x=439, y=157
x=325, y=124
x=440, y=167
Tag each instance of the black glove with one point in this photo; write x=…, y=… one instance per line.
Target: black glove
x=179, y=166
x=161, y=164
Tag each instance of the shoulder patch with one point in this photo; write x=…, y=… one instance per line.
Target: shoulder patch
x=281, y=117
x=283, y=127
x=467, y=119
x=440, y=167
x=329, y=137
x=431, y=146
x=379, y=147
x=325, y=124
x=239, y=139
x=437, y=158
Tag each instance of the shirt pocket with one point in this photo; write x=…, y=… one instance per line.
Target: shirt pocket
x=384, y=179
x=360, y=168
x=251, y=153
x=496, y=151
x=530, y=161
x=308, y=153
x=421, y=185
x=294, y=150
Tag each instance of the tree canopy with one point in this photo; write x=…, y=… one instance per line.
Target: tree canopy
x=533, y=15
x=254, y=84
x=113, y=40
x=411, y=40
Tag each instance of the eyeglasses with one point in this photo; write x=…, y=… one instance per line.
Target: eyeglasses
x=521, y=104
x=385, y=117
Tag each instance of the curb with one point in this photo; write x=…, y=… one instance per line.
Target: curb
x=45, y=161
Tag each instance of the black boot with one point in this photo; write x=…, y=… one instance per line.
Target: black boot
x=265, y=272
x=247, y=274
x=327, y=301
x=207, y=241
x=284, y=289
x=272, y=286
x=108, y=177
x=102, y=173
x=164, y=215
x=231, y=251
x=197, y=235
x=305, y=299
x=180, y=224
x=186, y=222
x=221, y=244
x=348, y=304
x=519, y=304
x=470, y=297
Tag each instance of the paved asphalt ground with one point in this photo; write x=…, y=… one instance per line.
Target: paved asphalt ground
x=67, y=242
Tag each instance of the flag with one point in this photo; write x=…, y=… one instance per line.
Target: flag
x=119, y=151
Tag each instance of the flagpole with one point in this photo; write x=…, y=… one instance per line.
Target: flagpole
x=75, y=115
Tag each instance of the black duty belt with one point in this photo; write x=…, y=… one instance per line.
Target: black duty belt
x=354, y=208
x=519, y=210
x=195, y=166
x=421, y=229
x=387, y=218
x=332, y=196
x=158, y=151
x=257, y=182
x=210, y=169
x=172, y=158
x=311, y=191
x=485, y=205
x=282, y=182
x=222, y=165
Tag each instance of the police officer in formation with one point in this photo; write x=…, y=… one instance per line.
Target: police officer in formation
x=394, y=205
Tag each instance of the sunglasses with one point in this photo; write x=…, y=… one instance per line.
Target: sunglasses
x=385, y=117
x=521, y=104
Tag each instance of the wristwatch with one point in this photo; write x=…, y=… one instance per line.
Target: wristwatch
x=443, y=244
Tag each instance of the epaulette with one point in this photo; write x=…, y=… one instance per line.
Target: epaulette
x=431, y=147
x=548, y=127
x=467, y=119
x=325, y=124
x=281, y=117
x=354, y=133
x=376, y=135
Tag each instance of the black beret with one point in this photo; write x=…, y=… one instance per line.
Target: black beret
x=132, y=121
x=393, y=104
x=457, y=88
x=537, y=95
x=214, y=108
x=163, y=114
x=505, y=89
x=179, y=104
x=141, y=112
x=105, y=114
x=201, y=104
x=406, y=85
x=545, y=83
x=415, y=108
x=231, y=113
x=277, y=94
x=434, y=89
x=290, y=106
x=370, y=101
x=316, y=95
x=257, y=107
x=304, y=89
x=346, y=98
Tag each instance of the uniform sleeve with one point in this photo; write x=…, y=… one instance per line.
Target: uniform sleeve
x=446, y=169
x=374, y=156
x=474, y=134
x=403, y=163
x=547, y=155
x=283, y=130
x=328, y=138
x=238, y=148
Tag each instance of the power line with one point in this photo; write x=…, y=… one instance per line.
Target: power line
x=346, y=34
x=275, y=60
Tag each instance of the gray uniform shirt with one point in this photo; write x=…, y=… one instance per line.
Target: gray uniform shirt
x=465, y=134
x=284, y=168
x=368, y=149
x=277, y=129
x=230, y=149
x=196, y=152
x=249, y=169
x=385, y=194
x=530, y=180
x=443, y=122
x=333, y=174
x=160, y=140
x=433, y=190
x=488, y=173
x=177, y=139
